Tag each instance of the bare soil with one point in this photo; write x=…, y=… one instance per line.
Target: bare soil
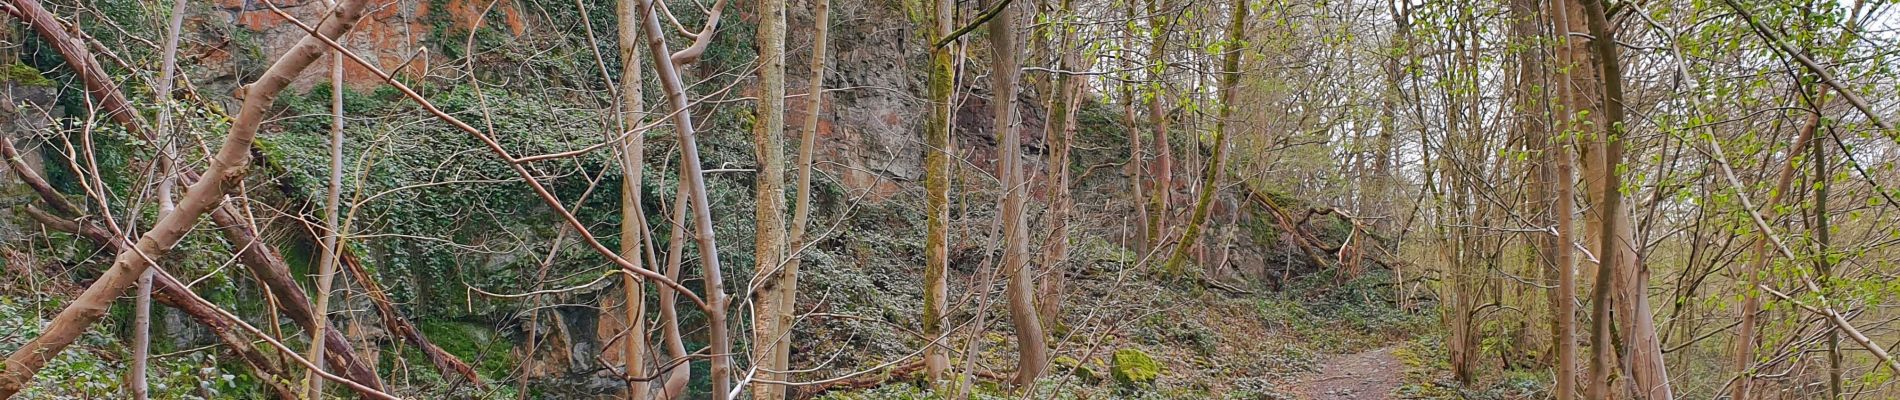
x=1370, y=375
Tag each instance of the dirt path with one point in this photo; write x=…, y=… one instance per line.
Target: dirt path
x=1371, y=375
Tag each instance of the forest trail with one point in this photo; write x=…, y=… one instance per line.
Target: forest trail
x=1369, y=375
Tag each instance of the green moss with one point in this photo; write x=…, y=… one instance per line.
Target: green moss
x=475, y=344
x=1079, y=369
x=1134, y=367
x=25, y=75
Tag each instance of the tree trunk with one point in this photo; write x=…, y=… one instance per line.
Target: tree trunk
x=167, y=162
x=677, y=376
x=693, y=177
x=1163, y=195
x=632, y=217
x=227, y=166
x=768, y=138
x=1230, y=79
x=1059, y=133
x=1618, y=253
x=1031, y=351
x=1550, y=189
x=261, y=258
x=333, y=230
x=801, y=212
x=938, y=154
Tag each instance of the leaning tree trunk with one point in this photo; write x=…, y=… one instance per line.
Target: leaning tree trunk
x=260, y=258
x=1230, y=79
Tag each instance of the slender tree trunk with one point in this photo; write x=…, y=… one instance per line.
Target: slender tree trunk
x=807, y=149
x=1618, y=255
x=226, y=167
x=938, y=154
x=1030, y=348
x=1562, y=258
x=168, y=156
x=632, y=218
x=1059, y=133
x=678, y=376
x=1163, y=196
x=1552, y=192
x=693, y=176
x=333, y=231
x=768, y=135
x=1230, y=79
x=1824, y=264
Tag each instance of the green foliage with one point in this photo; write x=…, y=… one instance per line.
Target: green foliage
x=95, y=366
x=477, y=344
x=1343, y=317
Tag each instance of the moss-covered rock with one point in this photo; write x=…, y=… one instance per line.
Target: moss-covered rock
x=25, y=75
x=1079, y=369
x=1132, y=367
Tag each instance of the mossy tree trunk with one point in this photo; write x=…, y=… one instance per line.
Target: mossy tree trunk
x=1210, y=184
x=937, y=158
x=768, y=133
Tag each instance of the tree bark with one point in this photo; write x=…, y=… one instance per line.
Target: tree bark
x=332, y=228
x=768, y=139
x=1163, y=195
x=1031, y=351
x=1059, y=133
x=167, y=180
x=801, y=212
x=1230, y=80
x=1550, y=189
x=693, y=177
x=168, y=291
x=938, y=154
x=226, y=168
x=632, y=218
x=1618, y=253
x=677, y=377
x=253, y=253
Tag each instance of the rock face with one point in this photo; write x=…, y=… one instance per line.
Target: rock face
x=236, y=39
x=870, y=133
x=28, y=110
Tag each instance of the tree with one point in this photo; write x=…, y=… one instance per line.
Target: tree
x=693, y=178
x=1230, y=79
x=632, y=151
x=768, y=133
x=1059, y=132
x=1550, y=187
x=226, y=166
x=1160, y=22
x=1617, y=253
x=1031, y=352
x=168, y=156
x=937, y=157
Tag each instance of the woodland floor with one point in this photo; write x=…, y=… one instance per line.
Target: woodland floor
x=1370, y=375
